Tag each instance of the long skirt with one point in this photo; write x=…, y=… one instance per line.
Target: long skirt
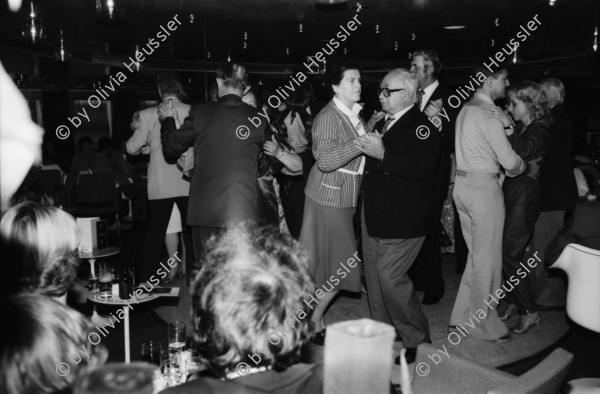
x=328, y=236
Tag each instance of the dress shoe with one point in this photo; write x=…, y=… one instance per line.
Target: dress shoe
x=318, y=338
x=431, y=300
x=410, y=355
x=509, y=312
x=526, y=322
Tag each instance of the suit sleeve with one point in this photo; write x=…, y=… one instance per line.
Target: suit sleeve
x=415, y=161
x=174, y=141
x=328, y=151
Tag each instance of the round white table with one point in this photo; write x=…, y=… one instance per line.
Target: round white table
x=115, y=300
x=92, y=256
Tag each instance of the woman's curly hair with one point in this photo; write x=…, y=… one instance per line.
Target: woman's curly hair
x=534, y=98
x=251, y=290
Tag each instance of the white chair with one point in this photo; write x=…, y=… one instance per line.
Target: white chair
x=582, y=185
x=582, y=266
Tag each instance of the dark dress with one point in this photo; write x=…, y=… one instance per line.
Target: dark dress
x=523, y=202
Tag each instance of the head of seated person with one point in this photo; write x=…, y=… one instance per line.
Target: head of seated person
x=44, y=238
x=36, y=193
x=248, y=301
x=45, y=346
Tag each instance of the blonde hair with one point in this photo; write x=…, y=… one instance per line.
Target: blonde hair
x=48, y=238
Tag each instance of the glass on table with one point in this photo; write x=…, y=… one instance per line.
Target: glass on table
x=176, y=333
x=105, y=280
x=172, y=369
x=152, y=352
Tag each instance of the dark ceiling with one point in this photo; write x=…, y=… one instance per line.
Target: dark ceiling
x=389, y=30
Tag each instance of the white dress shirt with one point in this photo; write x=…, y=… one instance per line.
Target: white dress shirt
x=427, y=92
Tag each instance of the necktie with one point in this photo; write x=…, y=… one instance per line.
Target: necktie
x=420, y=93
x=386, y=125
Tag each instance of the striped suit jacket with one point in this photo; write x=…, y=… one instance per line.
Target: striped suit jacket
x=334, y=149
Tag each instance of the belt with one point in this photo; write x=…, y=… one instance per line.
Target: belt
x=477, y=175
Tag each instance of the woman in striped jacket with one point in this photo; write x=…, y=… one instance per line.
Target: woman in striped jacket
x=331, y=194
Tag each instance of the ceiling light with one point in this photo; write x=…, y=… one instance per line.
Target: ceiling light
x=330, y=2
x=62, y=52
x=111, y=10
x=33, y=32
x=455, y=27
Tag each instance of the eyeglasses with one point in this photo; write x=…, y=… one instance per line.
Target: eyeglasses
x=387, y=91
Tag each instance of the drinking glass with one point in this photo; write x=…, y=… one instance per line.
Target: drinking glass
x=151, y=352
x=172, y=369
x=176, y=332
x=105, y=281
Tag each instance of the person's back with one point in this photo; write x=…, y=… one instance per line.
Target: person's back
x=225, y=152
x=479, y=146
x=165, y=180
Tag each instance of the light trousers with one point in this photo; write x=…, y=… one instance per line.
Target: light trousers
x=481, y=210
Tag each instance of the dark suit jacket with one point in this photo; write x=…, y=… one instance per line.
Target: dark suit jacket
x=398, y=190
x=297, y=379
x=448, y=126
x=559, y=188
x=224, y=187
x=444, y=164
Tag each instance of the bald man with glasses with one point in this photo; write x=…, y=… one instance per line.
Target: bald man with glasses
x=398, y=203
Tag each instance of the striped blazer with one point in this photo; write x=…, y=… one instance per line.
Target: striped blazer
x=331, y=182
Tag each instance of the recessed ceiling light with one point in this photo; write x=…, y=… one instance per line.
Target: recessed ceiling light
x=455, y=27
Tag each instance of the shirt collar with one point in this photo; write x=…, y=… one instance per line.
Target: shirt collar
x=356, y=108
x=428, y=91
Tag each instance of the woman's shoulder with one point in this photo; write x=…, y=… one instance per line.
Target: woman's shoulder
x=328, y=114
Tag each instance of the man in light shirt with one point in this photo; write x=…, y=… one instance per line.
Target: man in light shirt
x=481, y=148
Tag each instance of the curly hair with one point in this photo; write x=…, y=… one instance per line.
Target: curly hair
x=534, y=98
x=251, y=286
x=47, y=237
x=42, y=335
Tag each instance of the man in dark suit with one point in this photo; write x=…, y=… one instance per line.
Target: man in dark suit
x=398, y=206
x=224, y=186
x=433, y=102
